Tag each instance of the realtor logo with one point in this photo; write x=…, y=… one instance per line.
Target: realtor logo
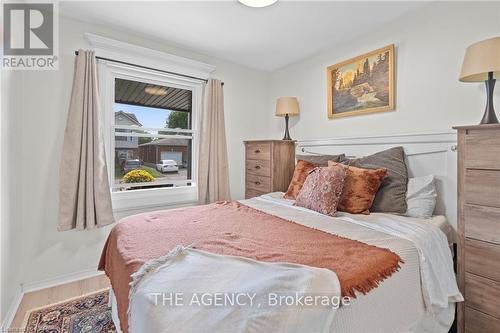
x=29, y=36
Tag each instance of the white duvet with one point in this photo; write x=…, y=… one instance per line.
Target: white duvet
x=420, y=297
x=436, y=263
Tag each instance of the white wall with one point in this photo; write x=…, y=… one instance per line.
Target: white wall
x=10, y=226
x=430, y=44
x=47, y=253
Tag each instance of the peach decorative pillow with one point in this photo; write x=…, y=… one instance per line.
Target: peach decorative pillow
x=302, y=169
x=360, y=188
x=322, y=190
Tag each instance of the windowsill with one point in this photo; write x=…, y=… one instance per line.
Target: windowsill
x=148, y=199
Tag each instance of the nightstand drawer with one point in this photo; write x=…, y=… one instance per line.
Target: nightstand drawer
x=258, y=183
x=478, y=322
x=482, y=294
x=482, y=187
x=259, y=167
x=482, y=223
x=482, y=149
x=481, y=258
x=258, y=151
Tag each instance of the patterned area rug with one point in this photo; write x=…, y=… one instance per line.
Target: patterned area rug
x=85, y=314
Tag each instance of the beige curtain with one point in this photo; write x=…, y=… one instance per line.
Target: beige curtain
x=213, y=174
x=84, y=195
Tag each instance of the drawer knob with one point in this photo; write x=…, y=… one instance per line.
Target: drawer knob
x=257, y=151
x=257, y=183
x=257, y=167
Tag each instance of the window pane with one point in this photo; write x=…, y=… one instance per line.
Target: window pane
x=143, y=162
x=151, y=106
x=148, y=162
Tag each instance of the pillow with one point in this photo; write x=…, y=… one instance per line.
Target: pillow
x=391, y=196
x=421, y=197
x=321, y=160
x=322, y=189
x=360, y=188
x=305, y=163
x=302, y=169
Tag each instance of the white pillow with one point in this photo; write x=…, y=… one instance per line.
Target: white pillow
x=421, y=197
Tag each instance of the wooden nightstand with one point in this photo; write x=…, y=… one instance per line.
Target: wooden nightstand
x=269, y=166
x=479, y=228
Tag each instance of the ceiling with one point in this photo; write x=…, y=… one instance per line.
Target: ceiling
x=261, y=38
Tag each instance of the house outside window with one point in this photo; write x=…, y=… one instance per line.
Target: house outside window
x=126, y=147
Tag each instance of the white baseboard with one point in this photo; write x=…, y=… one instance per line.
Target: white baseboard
x=46, y=283
x=11, y=312
x=58, y=280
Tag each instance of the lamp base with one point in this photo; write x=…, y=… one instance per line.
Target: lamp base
x=287, y=134
x=489, y=116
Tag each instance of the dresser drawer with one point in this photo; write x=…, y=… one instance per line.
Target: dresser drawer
x=259, y=183
x=482, y=223
x=482, y=259
x=482, y=149
x=253, y=193
x=482, y=187
x=258, y=151
x=478, y=322
x=259, y=167
x=482, y=294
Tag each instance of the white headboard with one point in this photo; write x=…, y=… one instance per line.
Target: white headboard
x=428, y=153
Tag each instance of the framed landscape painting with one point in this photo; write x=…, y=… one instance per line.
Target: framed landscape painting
x=361, y=85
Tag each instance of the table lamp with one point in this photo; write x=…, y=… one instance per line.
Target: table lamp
x=482, y=63
x=287, y=106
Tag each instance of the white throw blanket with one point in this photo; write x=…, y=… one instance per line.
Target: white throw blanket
x=190, y=290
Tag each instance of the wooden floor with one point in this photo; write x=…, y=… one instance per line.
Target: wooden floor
x=42, y=297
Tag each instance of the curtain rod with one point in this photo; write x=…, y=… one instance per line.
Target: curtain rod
x=153, y=69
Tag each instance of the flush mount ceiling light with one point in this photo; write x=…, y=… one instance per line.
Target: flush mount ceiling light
x=257, y=3
x=158, y=91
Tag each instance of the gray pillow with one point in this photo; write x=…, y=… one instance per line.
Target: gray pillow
x=391, y=196
x=321, y=160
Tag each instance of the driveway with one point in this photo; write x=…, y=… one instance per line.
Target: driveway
x=181, y=175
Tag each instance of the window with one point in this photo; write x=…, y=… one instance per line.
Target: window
x=162, y=192
x=151, y=126
x=152, y=123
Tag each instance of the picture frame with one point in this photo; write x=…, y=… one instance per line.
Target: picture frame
x=362, y=85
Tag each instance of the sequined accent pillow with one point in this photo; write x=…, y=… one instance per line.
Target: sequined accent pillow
x=302, y=170
x=322, y=189
x=360, y=189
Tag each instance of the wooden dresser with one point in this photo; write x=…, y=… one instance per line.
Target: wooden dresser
x=269, y=166
x=479, y=228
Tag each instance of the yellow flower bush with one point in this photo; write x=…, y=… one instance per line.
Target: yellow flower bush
x=138, y=176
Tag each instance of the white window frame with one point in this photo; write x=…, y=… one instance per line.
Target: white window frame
x=108, y=71
x=143, y=198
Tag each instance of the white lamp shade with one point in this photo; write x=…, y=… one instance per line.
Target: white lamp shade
x=480, y=59
x=287, y=105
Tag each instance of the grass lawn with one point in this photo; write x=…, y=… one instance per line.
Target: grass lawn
x=152, y=171
x=155, y=173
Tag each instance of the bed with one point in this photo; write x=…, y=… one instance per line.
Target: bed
x=418, y=296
